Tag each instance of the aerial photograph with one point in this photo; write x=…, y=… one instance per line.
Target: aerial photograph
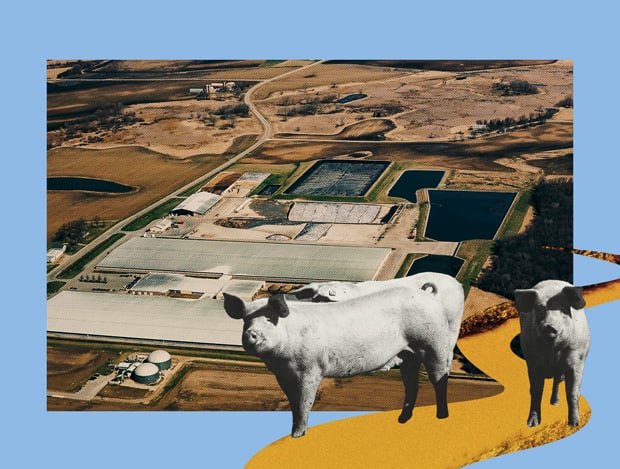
x=183, y=195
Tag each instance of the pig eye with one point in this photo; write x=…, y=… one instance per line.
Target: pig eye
x=273, y=319
x=539, y=311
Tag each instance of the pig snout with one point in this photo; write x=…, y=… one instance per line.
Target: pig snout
x=549, y=331
x=252, y=339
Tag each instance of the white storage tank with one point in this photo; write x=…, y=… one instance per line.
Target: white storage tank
x=161, y=358
x=146, y=373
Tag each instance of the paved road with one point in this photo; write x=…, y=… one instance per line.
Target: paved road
x=52, y=274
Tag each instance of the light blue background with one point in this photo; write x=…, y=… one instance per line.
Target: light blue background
x=32, y=33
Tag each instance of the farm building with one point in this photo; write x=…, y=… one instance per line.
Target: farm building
x=161, y=358
x=154, y=319
x=165, y=284
x=55, y=252
x=257, y=260
x=245, y=289
x=196, y=204
x=161, y=226
x=146, y=373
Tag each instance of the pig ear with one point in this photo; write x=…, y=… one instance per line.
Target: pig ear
x=304, y=293
x=234, y=306
x=574, y=296
x=525, y=300
x=277, y=304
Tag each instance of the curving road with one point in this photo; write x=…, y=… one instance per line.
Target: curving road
x=117, y=228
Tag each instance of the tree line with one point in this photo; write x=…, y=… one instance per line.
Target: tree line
x=523, y=260
x=539, y=117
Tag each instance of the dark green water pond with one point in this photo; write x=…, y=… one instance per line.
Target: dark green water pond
x=85, y=184
x=434, y=263
x=410, y=181
x=461, y=215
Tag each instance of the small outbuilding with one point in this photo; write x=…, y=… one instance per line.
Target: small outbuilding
x=161, y=226
x=55, y=252
x=146, y=373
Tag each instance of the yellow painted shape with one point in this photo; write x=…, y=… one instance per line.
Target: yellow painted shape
x=475, y=430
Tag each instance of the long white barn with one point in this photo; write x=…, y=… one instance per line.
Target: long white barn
x=269, y=261
x=151, y=318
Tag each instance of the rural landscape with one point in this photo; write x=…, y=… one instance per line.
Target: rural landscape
x=173, y=182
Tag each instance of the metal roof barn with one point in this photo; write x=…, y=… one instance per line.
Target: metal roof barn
x=162, y=283
x=247, y=259
x=199, y=203
x=158, y=318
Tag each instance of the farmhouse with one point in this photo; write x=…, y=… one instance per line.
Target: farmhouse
x=196, y=204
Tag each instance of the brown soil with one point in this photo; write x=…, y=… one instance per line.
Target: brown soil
x=424, y=104
x=124, y=165
x=210, y=386
x=70, y=367
x=478, y=154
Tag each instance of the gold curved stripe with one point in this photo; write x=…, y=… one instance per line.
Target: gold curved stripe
x=475, y=430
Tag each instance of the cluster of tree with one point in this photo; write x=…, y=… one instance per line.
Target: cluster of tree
x=307, y=106
x=72, y=232
x=539, y=117
x=514, y=88
x=382, y=111
x=523, y=260
x=566, y=102
x=111, y=117
x=240, y=110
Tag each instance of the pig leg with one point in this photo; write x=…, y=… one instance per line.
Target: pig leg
x=301, y=391
x=438, y=374
x=537, y=382
x=573, y=384
x=409, y=372
x=555, y=393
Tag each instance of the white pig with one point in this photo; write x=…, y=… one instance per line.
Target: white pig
x=447, y=288
x=302, y=342
x=555, y=340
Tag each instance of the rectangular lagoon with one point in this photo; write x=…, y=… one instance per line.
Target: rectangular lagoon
x=461, y=215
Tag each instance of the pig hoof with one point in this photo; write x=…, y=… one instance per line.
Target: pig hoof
x=298, y=433
x=405, y=415
x=573, y=422
x=533, y=421
x=442, y=414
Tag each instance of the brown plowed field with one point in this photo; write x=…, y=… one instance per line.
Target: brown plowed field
x=125, y=165
x=211, y=386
